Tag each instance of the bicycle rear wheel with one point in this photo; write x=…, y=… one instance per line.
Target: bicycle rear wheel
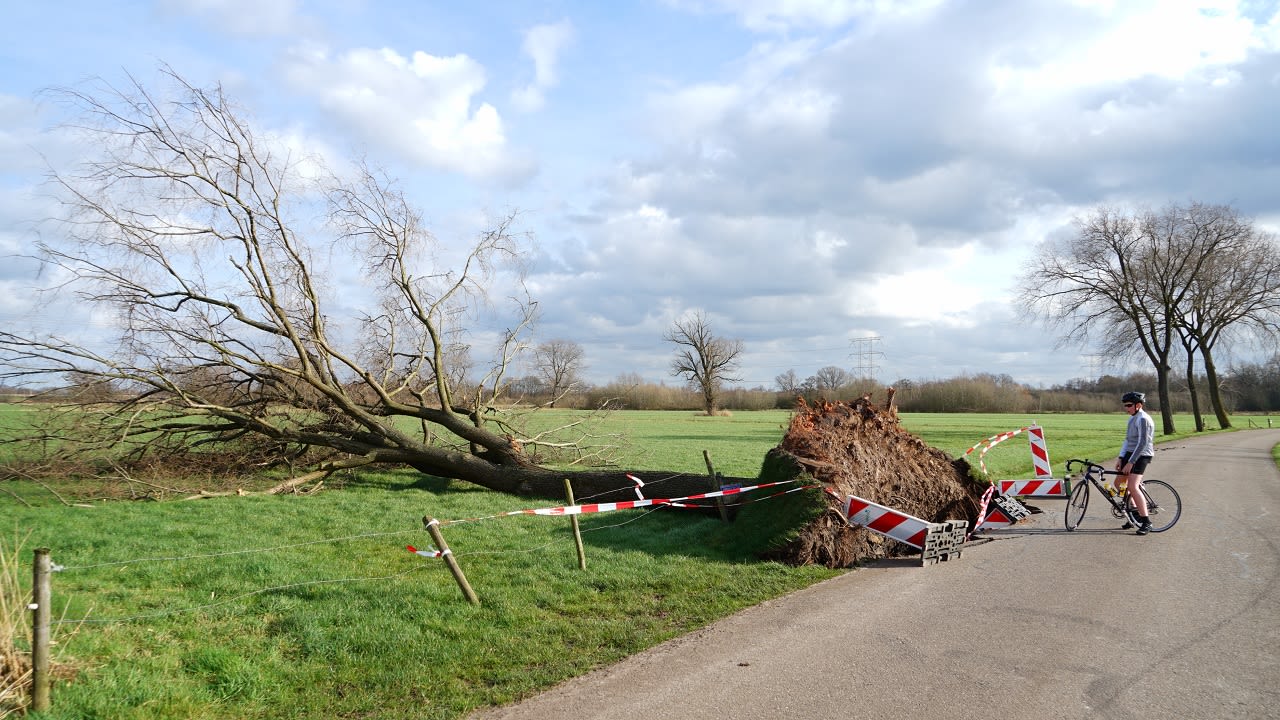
x=1077, y=504
x=1164, y=505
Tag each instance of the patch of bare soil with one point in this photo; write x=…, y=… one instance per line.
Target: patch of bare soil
x=861, y=449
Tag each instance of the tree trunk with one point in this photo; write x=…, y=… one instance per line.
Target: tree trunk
x=1166, y=406
x=1191, y=389
x=593, y=486
x=1215, y=389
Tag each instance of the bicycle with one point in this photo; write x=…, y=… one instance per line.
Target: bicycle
x=1164, y=505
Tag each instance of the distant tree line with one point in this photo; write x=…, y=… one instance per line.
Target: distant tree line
x=1248, y=388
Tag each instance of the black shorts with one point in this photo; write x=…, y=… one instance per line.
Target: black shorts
x=1139, y=465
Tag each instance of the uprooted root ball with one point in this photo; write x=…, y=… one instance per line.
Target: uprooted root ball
x=861, y=449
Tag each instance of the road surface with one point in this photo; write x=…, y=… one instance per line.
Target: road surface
x=1035, y=623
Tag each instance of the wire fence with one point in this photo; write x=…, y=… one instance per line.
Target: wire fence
x=690, y=502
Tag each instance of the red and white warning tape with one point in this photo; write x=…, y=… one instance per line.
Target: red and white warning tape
x=639, y=484
x=624, y=505
x=427, y=553
x=982, y=510
x=1039, y=451
x=631, y=504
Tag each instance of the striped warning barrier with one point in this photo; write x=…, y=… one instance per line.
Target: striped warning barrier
x=1004, y=510
x=1039, y=452
x=888, y=522
x=639, y=484
x=996, y=518
x=1043, y=486
x=1033, y=488
x=935, y=541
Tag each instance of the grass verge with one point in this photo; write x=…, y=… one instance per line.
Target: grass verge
x=310, y=607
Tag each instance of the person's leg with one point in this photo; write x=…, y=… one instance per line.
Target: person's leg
x=1136, y=474
x=1135, y=492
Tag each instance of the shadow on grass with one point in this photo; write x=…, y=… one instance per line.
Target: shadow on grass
x=407, y=479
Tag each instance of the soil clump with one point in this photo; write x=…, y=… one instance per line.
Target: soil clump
x=862, y=449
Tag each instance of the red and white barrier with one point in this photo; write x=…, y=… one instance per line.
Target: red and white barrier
x=1033, y=488
x=1004, y=510
x=1039, y=452
x=1043, y=486
x=996, y=518
x=888, y=522
x=427, y=553
x=935, y=541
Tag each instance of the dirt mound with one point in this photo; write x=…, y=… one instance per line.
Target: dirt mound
x=861, y=449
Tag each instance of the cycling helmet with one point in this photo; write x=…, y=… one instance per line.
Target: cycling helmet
x=1134, y=397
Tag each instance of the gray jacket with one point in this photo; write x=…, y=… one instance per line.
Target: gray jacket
x=1139, y=439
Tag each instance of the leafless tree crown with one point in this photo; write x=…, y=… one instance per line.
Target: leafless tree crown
x=1160, y=282
x=197, y=235
x=703, y=359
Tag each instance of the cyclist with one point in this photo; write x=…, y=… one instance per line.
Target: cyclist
x=1136, y=454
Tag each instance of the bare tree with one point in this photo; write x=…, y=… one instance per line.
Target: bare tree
x=829, y=379
x=191, y=230
x=704, y=360
x=789, y=382
x=559, y=363
x=1144, y=280
x=1236, y=289
x=1102, y=281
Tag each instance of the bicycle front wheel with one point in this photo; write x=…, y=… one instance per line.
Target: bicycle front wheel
x=1164, y=506
x=1077, y=503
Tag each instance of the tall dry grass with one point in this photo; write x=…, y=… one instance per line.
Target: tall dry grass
x=15, y=663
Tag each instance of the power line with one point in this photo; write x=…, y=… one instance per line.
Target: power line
x=866, y=354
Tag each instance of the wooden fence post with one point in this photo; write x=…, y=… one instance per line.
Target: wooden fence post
x=40, y=615
x=577, y=532
x=715, y=485
x=433, y=527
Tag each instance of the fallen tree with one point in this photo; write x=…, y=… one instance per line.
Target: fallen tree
x=239, y=330
x=187, y=233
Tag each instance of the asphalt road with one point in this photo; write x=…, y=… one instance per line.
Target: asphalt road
x=1035, y=623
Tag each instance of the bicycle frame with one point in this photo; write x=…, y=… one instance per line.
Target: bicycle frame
x=1078, y=498
x=1163, y=508
x=1097, y=480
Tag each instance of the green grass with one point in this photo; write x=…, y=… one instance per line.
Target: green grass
x=336, y=619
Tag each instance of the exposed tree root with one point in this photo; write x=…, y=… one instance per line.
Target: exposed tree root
x=860, y=449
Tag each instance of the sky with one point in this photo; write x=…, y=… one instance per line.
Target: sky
x=807, y=173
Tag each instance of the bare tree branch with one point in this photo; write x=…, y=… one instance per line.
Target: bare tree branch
x=195, y=234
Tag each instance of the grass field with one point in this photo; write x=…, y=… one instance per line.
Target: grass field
x=310, y=607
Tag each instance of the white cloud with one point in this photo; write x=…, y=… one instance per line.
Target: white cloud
x=1133, y=40
x=423, y=107
x=543, y=44
x=944, y=294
